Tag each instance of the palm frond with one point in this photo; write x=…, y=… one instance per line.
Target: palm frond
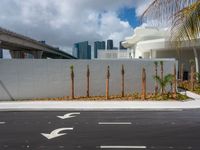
x=165, y=81
x=186, y=25
x=164, y=10
x=158, y=79
x=168, y=79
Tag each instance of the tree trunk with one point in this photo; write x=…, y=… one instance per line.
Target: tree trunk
x=181, y=72
x=161, y=75
x=156, y=83
x=196, y=58
x=88, y=81
x=192, y=77
x=174, y=83
x=143, y=96
x=72, y=82
x=107, y=82
x=123, y=72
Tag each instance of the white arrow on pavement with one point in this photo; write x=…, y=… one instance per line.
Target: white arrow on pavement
x=55, y=133
x=69, y=115
x=2, y=122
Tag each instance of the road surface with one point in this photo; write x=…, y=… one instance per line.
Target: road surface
x=82, y=130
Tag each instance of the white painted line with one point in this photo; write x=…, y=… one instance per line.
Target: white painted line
x=114, y=123
x=2, y=122
x=125, y=147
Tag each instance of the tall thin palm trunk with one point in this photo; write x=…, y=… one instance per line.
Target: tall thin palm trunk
x=72, y=81
x=161, y=75
x=174, y=82
x=122, y=72
x=181, y=72
x=88, y=81
x=192, y=74
x=107, y=82
x=143, y=96
x=156, y=74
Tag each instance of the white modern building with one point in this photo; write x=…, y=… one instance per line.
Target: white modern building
x=151, y=43
x=114, y=54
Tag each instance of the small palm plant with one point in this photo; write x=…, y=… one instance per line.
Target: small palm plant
x=164, y=82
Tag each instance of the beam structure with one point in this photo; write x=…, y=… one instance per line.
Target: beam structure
x=16, y=42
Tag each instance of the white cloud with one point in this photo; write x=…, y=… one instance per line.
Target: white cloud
x=64, y=22
x=142, y=6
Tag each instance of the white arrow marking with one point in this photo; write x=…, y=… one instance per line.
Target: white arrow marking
x=124, y=147
x=2, y=122
x=55, y=133
x=69, y=115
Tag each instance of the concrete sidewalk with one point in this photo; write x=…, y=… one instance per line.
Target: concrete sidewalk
x=194, y=103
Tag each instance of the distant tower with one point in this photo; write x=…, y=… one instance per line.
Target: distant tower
x=98, y=46
x=82, y=50
x=1, y=53
x=121, y=47
x=109, y=44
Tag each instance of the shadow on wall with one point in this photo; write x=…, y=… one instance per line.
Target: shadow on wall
x=6, y=90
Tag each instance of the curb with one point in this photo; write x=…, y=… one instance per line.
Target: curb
x=92, y=109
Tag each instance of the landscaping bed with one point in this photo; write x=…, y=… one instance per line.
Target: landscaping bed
x=128, y=97
x=187, y=86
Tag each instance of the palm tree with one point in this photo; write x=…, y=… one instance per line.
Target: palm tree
x=143, y=96
x=183, y=16
x=192, y=74
x=161, y=75
x=122, y=73
x=174, y=82
x=72, y=81
x=107, y=82
x=156, y=74
x=181, y=72
x=164, y=82
x=88, y=81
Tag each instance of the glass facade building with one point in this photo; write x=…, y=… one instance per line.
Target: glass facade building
x=1, y=53
x=99, y=45
x=82, y=50
x=121, y=47
x=109, y=44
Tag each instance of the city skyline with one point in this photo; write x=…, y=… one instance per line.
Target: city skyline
x=59, y=25
x=82, y=51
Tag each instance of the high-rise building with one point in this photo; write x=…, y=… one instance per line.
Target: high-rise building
x=109, y=44
x=121, y=47
x=1, y=53
x=99, y=45
x=82, y=50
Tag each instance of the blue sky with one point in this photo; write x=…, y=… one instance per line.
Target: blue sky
x=129, y=14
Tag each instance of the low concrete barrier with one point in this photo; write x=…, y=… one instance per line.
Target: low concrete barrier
x=28, y=79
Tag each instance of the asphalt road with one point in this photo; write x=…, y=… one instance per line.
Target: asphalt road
x=178, y=130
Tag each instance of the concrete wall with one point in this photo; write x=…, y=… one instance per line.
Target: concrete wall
x=184, y=56
x=27, y=79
